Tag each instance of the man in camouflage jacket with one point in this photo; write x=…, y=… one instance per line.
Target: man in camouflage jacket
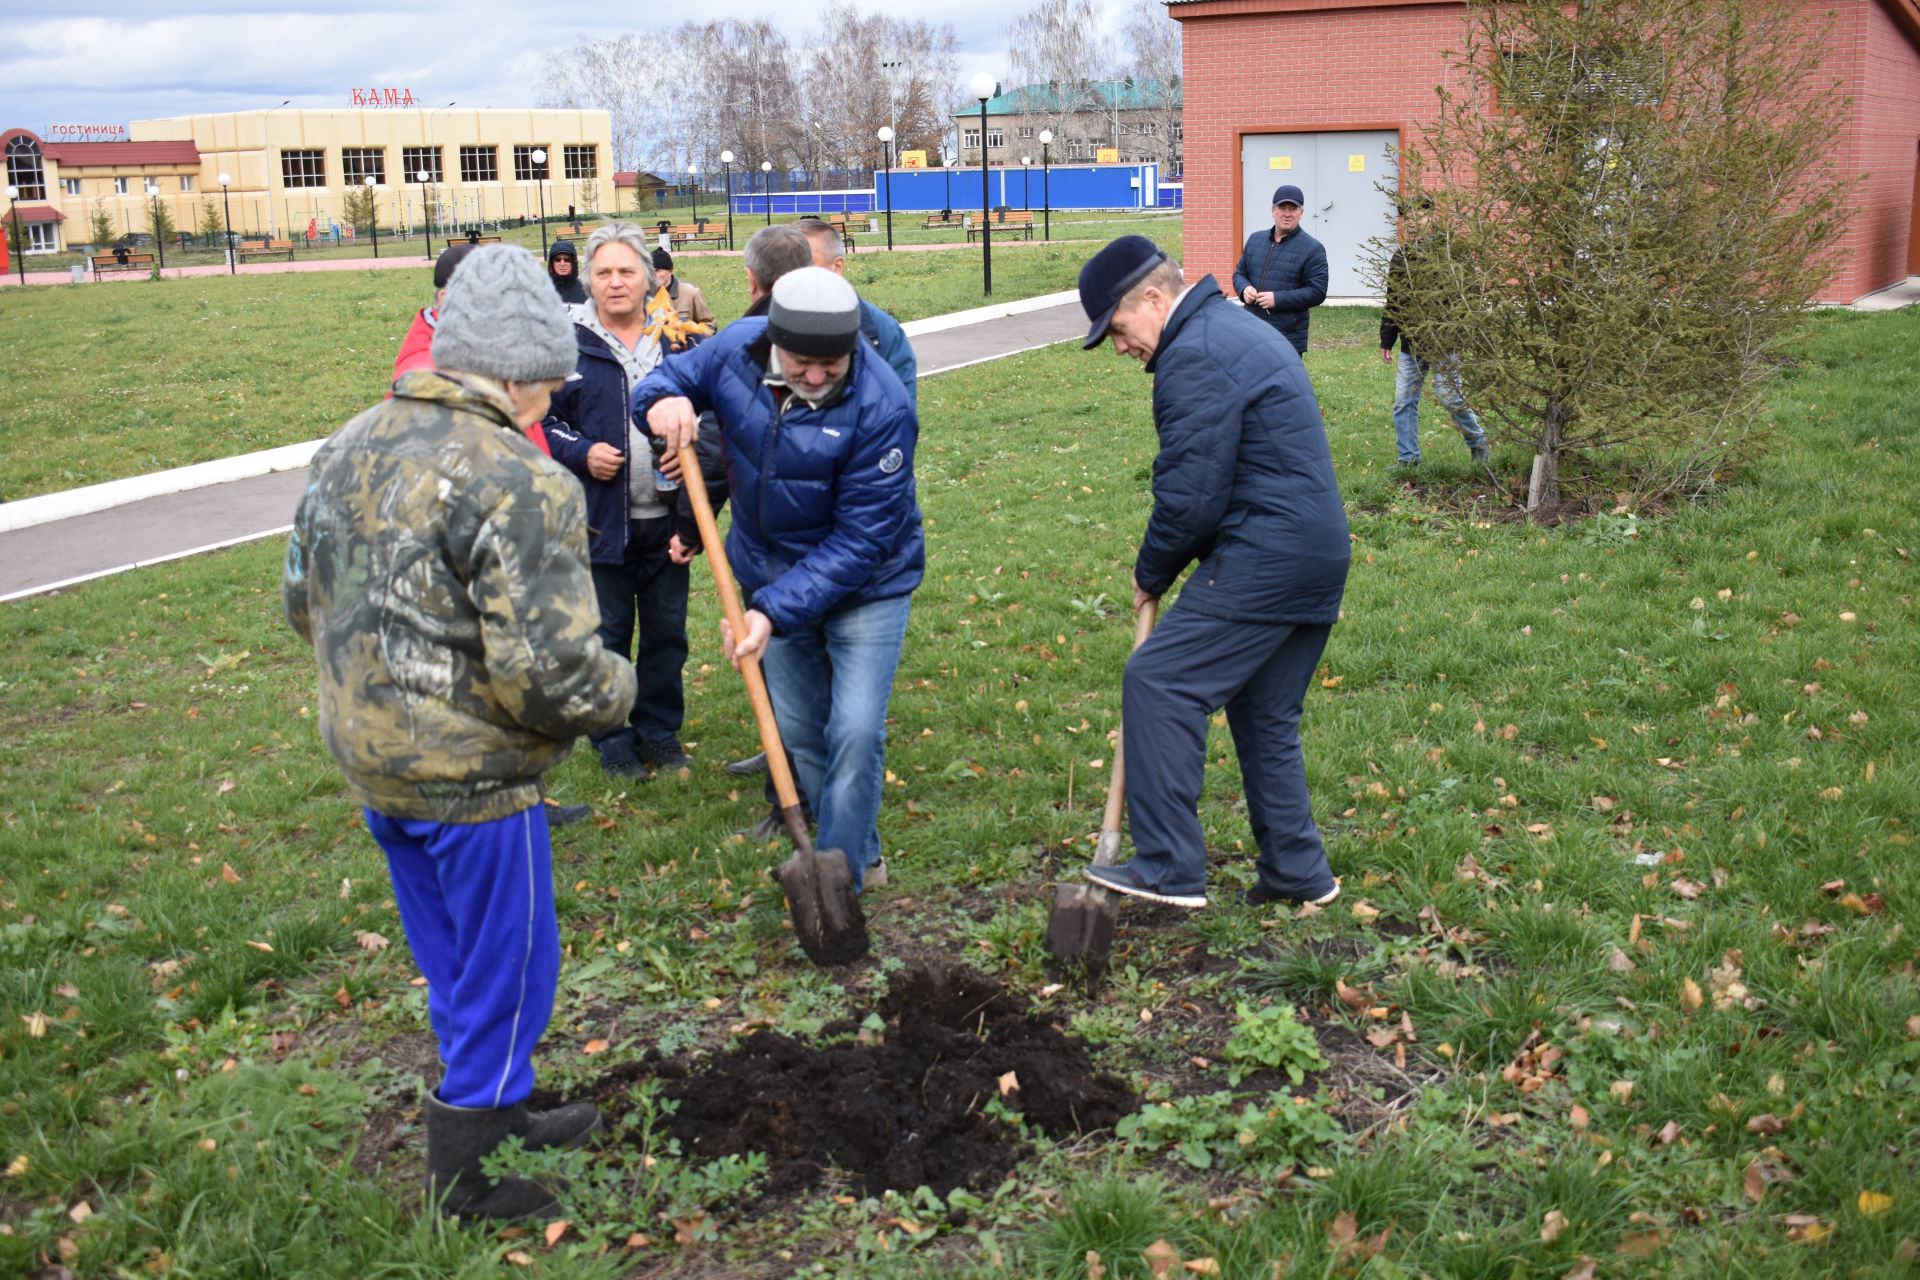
x=438, y=566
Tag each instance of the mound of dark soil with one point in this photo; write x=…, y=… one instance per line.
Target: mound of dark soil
x=907, y=1110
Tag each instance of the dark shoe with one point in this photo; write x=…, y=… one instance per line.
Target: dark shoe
x=1481, y=454
x=617, y=760
x=665, y=754
x=565, y=815
x=458, y=1139
x=765, y=829
x=569, y=1125
x=1260, y=896
x=749, y=767
x=1127, y=878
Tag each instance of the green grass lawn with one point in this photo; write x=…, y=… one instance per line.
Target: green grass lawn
x=1622, y=973
x=137, y=378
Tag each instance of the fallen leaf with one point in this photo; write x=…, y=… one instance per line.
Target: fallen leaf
x=16, y=1166
x=1688, y=889
x=1009, y=1083
x=1358, y=1001
x=1873, y=1203
x=228, y=874
x=1096, y=1269
x=1642, y=1244
x=1690, y=997
x=1620, y=1090
x=1161, y=1258
x=1552, y=1225
x=1582, y=1270
x=1342, y=1230
x=595, y=1046
x=555, y=1230
x=36, y=1024
x=1364, y=912
x=226, y=785
x=1578, y=1117
x=80, y=1212
x=1753, y=1183
x=1669, y=1133
x=1766, y=1124
x=1871, y=904
x=638, y=1240
x=260, y=946
x=368, y=940
x=520, y=1258
x=1202, y=1267
x=343, y=998
x=1620, y=962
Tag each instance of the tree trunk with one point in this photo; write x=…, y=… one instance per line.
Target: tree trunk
x=1543, y=489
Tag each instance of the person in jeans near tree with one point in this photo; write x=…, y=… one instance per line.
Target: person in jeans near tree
x=818, y=438
x=629, y=508
x=1413, y=369
x=437, y=566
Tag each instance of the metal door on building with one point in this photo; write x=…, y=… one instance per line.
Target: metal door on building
x=1340, y=174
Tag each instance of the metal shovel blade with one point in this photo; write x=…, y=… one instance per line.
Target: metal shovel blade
x=1080, y=930
x=826, y=912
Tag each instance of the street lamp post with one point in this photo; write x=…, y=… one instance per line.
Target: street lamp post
x=159, y=241
x=539, y=158
x=693, y=181
x=226, y=205
x=19, y=250
x=1026, y=200
x=766, y=182
x=885, y=134
x=726, y=159
x=983, y=85
x=373, y=215
x=1046, y=183
x=426, y=209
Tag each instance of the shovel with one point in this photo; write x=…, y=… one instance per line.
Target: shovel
x=1080, y=930
x=826, y=911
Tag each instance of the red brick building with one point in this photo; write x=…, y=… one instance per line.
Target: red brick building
x=1313, y=91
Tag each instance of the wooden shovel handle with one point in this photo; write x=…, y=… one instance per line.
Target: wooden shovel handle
x=695, y=484
x=1117, y=781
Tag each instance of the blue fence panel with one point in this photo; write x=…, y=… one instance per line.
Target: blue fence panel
x=795, y=204
x=1173, y=195
x=1106, y=186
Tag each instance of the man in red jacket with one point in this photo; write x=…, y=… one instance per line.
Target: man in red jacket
x=416, y=348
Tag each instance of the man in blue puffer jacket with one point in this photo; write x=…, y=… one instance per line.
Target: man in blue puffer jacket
x=818, y=438
x=1282, y=272
x=1244, y=484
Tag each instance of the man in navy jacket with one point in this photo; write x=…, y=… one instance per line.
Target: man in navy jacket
x=818, y=438
x=1283, y=271
x=1243, y=484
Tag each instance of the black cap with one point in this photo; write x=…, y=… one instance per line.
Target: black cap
x=1108, y=277
x=1289, y=194
x=449, y=259
x=662, y=260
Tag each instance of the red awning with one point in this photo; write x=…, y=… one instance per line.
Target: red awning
x=40, y=213
x=115, y=155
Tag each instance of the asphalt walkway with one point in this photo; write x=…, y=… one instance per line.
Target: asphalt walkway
x=62, y=539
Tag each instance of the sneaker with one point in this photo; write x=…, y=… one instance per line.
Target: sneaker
x=665, y=754
x=1260, y=896
x=748, y=768
x=565, y=815
x=765, y=829
x=1482, y=454
x=617, y=760
x=1126, y=878
x=876, y=876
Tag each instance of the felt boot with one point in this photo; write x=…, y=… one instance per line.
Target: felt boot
x=459, y=1138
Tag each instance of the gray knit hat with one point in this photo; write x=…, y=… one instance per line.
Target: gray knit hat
x=814, y=313
x=503, y=320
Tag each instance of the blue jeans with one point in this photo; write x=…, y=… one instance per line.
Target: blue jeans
x=1408, y=375
x=830, y=683
x=476, y=900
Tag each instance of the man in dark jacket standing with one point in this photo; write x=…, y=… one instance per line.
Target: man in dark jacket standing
x=818, y=438
x=629, y=507
x=1283, y=272
x=880, y=330
x=563, y=268
x=1244, y=484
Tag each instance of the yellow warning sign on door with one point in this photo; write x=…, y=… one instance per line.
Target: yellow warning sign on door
x=1280, y=162
x=1356, y=164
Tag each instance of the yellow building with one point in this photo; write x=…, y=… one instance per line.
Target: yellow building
x=288, y=171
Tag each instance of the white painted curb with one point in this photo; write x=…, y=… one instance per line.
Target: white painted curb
x=68, y=503
x=999, y=310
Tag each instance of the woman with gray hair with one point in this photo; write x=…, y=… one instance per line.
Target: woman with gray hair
x=641, y=593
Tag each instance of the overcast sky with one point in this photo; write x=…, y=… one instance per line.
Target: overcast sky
x=113, y=61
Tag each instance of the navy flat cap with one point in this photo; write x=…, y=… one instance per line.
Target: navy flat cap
x=1109, y=275
x=1289, y=194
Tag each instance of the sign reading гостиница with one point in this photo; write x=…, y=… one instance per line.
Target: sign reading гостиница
x=85, y=132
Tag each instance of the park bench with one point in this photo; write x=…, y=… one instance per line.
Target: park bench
x=838, y=221
x=1007, y=220
x=104, y=262
x=266, y=249
x=935, y=222
x=472, y=239
x=694, y=232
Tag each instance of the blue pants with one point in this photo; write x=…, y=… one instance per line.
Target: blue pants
x=1408, y=375
x=1190, y=667
x=830, y=684
x=476, y=900
x=648, y=586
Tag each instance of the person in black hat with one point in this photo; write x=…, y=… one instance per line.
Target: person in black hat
x=563, y=268
x=1244, y=485
x=688, y=302
x=416, y=348
x=1283, y=272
